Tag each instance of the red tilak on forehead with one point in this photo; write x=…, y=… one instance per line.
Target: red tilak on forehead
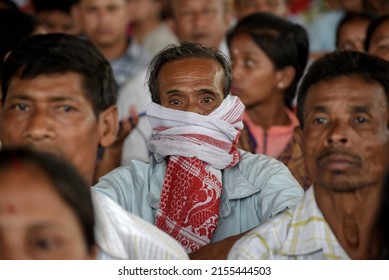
x=16, y=164
x=10, y=209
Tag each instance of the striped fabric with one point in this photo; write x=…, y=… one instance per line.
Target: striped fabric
x=299, y=233
x=123, y=236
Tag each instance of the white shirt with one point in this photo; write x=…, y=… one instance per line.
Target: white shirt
x=298, y=233
x=135, y=93
x=122, y=235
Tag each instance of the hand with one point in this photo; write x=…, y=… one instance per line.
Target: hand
x=127, y=124
x=216, y=251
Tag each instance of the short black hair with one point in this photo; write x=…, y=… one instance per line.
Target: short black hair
x=353, y=16
x=50, y=5
x=61, y=53
x=67, y=182
x=285, y=43
x=373, y=26
x=182, y=52
x=343, y=64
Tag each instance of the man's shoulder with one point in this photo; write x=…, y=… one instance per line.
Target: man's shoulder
x=265, y=241
x=261, y=164
x=123, y=235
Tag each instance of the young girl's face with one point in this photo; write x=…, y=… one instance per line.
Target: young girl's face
x=254, y=77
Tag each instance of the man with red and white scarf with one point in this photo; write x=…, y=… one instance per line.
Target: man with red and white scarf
x=198, y=187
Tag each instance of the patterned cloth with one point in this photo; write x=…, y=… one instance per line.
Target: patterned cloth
x=198, y=147
x=254, y=190
x=132, y=62
x=298, y=233
x=124, y=236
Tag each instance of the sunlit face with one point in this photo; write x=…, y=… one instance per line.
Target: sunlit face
x=35, y=223
x=379, y=42
x=247, y=7
x=52, y=113
x=193, y=85
x=104, y=22
x=345, y=140
x=57, y=22
x=201, y=21
x=352, y=35
x=254, y=77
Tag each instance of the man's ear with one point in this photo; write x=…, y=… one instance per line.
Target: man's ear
x=298, y=134
x=108, y=126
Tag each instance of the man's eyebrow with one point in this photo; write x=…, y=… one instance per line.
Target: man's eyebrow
x=173, y=91
x=22, y=96
x=360, y=109
x=319, y=109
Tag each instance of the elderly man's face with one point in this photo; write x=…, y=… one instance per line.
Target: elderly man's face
x=345, y=139
x=193, y=85
x=201, y=21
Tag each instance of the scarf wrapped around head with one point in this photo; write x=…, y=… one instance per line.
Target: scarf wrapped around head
x=197, y=147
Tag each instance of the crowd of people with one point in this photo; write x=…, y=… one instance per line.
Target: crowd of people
x=194, y=129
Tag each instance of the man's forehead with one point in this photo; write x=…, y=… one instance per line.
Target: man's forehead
x=58, y=85
x=350, y=88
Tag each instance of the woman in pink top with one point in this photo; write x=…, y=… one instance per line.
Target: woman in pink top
x=268, y=56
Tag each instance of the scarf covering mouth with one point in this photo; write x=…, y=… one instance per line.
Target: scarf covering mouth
x=197, y=148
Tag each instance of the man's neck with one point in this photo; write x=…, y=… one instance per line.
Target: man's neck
x=352, y=218
x=113, y=51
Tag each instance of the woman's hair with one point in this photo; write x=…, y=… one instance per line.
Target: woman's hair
x=285, y=43
x=373, y=26
x=67, y=182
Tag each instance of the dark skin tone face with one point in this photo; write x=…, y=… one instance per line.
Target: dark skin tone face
x=197, y=88
x=345, y=136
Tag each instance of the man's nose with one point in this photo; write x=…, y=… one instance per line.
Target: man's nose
x=38, y=127
x=338, y=133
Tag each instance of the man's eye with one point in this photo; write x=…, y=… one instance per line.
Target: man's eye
x=383, y=47
x=320, y=120
x=175, y=102
x=66, y=108
x=207, y=100
x=20, y=107
x=360, y=120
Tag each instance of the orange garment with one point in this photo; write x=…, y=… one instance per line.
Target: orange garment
x=275, y=140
